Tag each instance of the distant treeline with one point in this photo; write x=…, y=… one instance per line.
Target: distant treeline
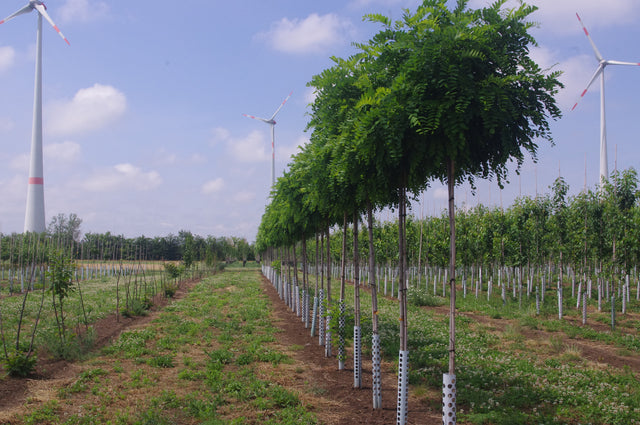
x=593, y=230
x=24, y=248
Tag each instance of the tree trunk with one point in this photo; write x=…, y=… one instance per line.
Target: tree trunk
x=402, y=289
x=327, y=345
x=375, y=354
x=452, y=265
x=357, y=355
x=343, y=280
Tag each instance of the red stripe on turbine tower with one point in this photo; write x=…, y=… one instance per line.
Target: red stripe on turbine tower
x=36, y=180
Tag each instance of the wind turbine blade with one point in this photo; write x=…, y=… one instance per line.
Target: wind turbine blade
x=22, y=11
x=623, y=63
x=280, y=107
x=593, y=45
x=41, y=9
x=256, y=118
x=595, y=75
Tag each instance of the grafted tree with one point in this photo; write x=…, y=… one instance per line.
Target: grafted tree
x=469, y=96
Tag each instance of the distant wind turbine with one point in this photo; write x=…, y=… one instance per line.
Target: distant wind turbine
x=602, y=63
x=34, y=216
x=272, y=123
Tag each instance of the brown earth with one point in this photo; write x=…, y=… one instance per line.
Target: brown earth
x=14, y=392
x=324, y=390
x=343, y=403
x=601, y=355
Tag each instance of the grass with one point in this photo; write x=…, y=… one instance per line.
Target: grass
x=206, y=358
x=506, y=378
x=90, y=301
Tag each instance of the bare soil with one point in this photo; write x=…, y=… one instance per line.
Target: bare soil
x=323, y=389
x=49, y=373
x=343, y=404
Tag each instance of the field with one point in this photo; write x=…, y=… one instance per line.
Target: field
x=227, y=350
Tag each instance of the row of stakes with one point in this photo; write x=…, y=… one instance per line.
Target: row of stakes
x=299, y=303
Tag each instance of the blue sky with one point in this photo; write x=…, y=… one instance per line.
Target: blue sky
x=143, y=125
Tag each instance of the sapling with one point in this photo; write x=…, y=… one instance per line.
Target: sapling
x=60, y=275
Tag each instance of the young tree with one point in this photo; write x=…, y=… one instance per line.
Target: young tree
x=467, y=96
x=65, y=229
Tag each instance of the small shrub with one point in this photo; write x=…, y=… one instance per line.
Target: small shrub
x=20, y=364
x=170, y=290
x=165, y=361
x=74, y=347
x=420, y=297
x=557, y=343
x=221, y=356
x=137, y=307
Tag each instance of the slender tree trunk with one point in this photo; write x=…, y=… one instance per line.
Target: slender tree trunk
x=305, y=282
x=357, y=355
x=376, y=376
x=328, y=248
x=356, y=268
x=328, y=335
x=452, y=265
x=343, y=280
x=343, y=265
x=402, y=288
x=403, y=355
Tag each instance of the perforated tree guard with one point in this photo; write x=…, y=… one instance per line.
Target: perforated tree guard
x=403, y=387
x=377, y=380
x=314, y=317
x=327, y=338
x=305, y=308
x=342, y=355
x=321, y=327
x=560, y=312
x=448, y=399
x=357, y=358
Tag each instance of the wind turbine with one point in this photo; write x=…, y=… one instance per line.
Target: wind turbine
x=602, y=64
x=272, y=123
x=34, y=216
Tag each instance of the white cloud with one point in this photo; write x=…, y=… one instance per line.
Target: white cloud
x=243, y=197
x=220, y=134
x=122, y=177
x=20, y=163
x=90, y=109
x=310, y=95
x=212, y=186
x=252, y=148
x=310, y=35
x=560, y=16
x=62, y=152
x=164, y=157
x=386, y=3
x=440, y=193
x=286, y=152
x=576, y=72
x=82, y=10
x=7, y=57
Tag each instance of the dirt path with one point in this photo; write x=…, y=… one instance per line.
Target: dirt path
x=51, y=374
x=347, y=405
x=324, y=390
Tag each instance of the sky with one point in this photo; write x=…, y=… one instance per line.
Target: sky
x=144, y=132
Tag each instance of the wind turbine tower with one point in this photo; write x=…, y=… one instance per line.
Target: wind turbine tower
x=272, y=123
x=34, y=217
x=602, y=64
